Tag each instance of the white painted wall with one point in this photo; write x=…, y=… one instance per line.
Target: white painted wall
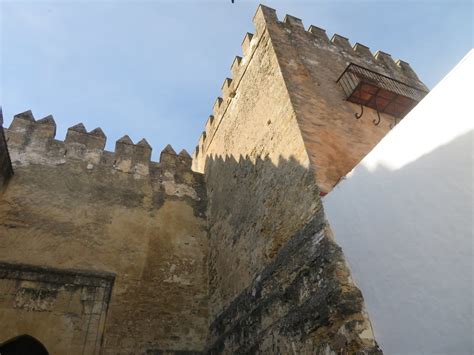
x=404, y=218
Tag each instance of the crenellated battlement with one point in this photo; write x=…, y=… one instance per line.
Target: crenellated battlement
x=384, y=61
x=291, y=34
x=32, y=141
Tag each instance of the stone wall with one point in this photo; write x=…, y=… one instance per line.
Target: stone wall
x=278, y=282
x=72, y=205
x=67, y=309
x=254, y=135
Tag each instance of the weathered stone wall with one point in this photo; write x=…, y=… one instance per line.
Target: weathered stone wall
x=67, y=309
x=278, y=282
x=72, y=205
x=303, y=302
x=254, y=133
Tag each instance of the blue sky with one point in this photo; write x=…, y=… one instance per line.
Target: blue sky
x=153, y=69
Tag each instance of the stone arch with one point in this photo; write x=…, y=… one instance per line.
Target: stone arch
x=23, y=345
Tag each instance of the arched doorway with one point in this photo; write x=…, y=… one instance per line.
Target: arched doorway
x=23, y=345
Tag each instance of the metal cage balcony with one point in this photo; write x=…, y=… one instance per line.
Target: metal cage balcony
x=380, y=92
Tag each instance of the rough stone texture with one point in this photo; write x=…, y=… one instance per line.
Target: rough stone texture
x=72, y=205
x=65, y=308
x=303, y=302
x=261, y=142
x=278, y=282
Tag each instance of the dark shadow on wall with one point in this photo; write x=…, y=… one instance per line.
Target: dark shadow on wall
x=407, y=235
x=23, y=345
x=264, y=193
x=278, y=282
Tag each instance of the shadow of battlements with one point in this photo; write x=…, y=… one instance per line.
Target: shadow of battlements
x=261, y=194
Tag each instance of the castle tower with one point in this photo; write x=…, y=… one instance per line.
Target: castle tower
x=299, y=112
x=337, y=100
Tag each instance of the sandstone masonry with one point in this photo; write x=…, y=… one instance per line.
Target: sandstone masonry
x=71, y=205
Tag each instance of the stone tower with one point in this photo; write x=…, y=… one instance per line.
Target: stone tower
x=299, y=112
x=112, y=253
x=321, y=83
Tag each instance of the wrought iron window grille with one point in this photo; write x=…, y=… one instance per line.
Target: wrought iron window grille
x=380, y=92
